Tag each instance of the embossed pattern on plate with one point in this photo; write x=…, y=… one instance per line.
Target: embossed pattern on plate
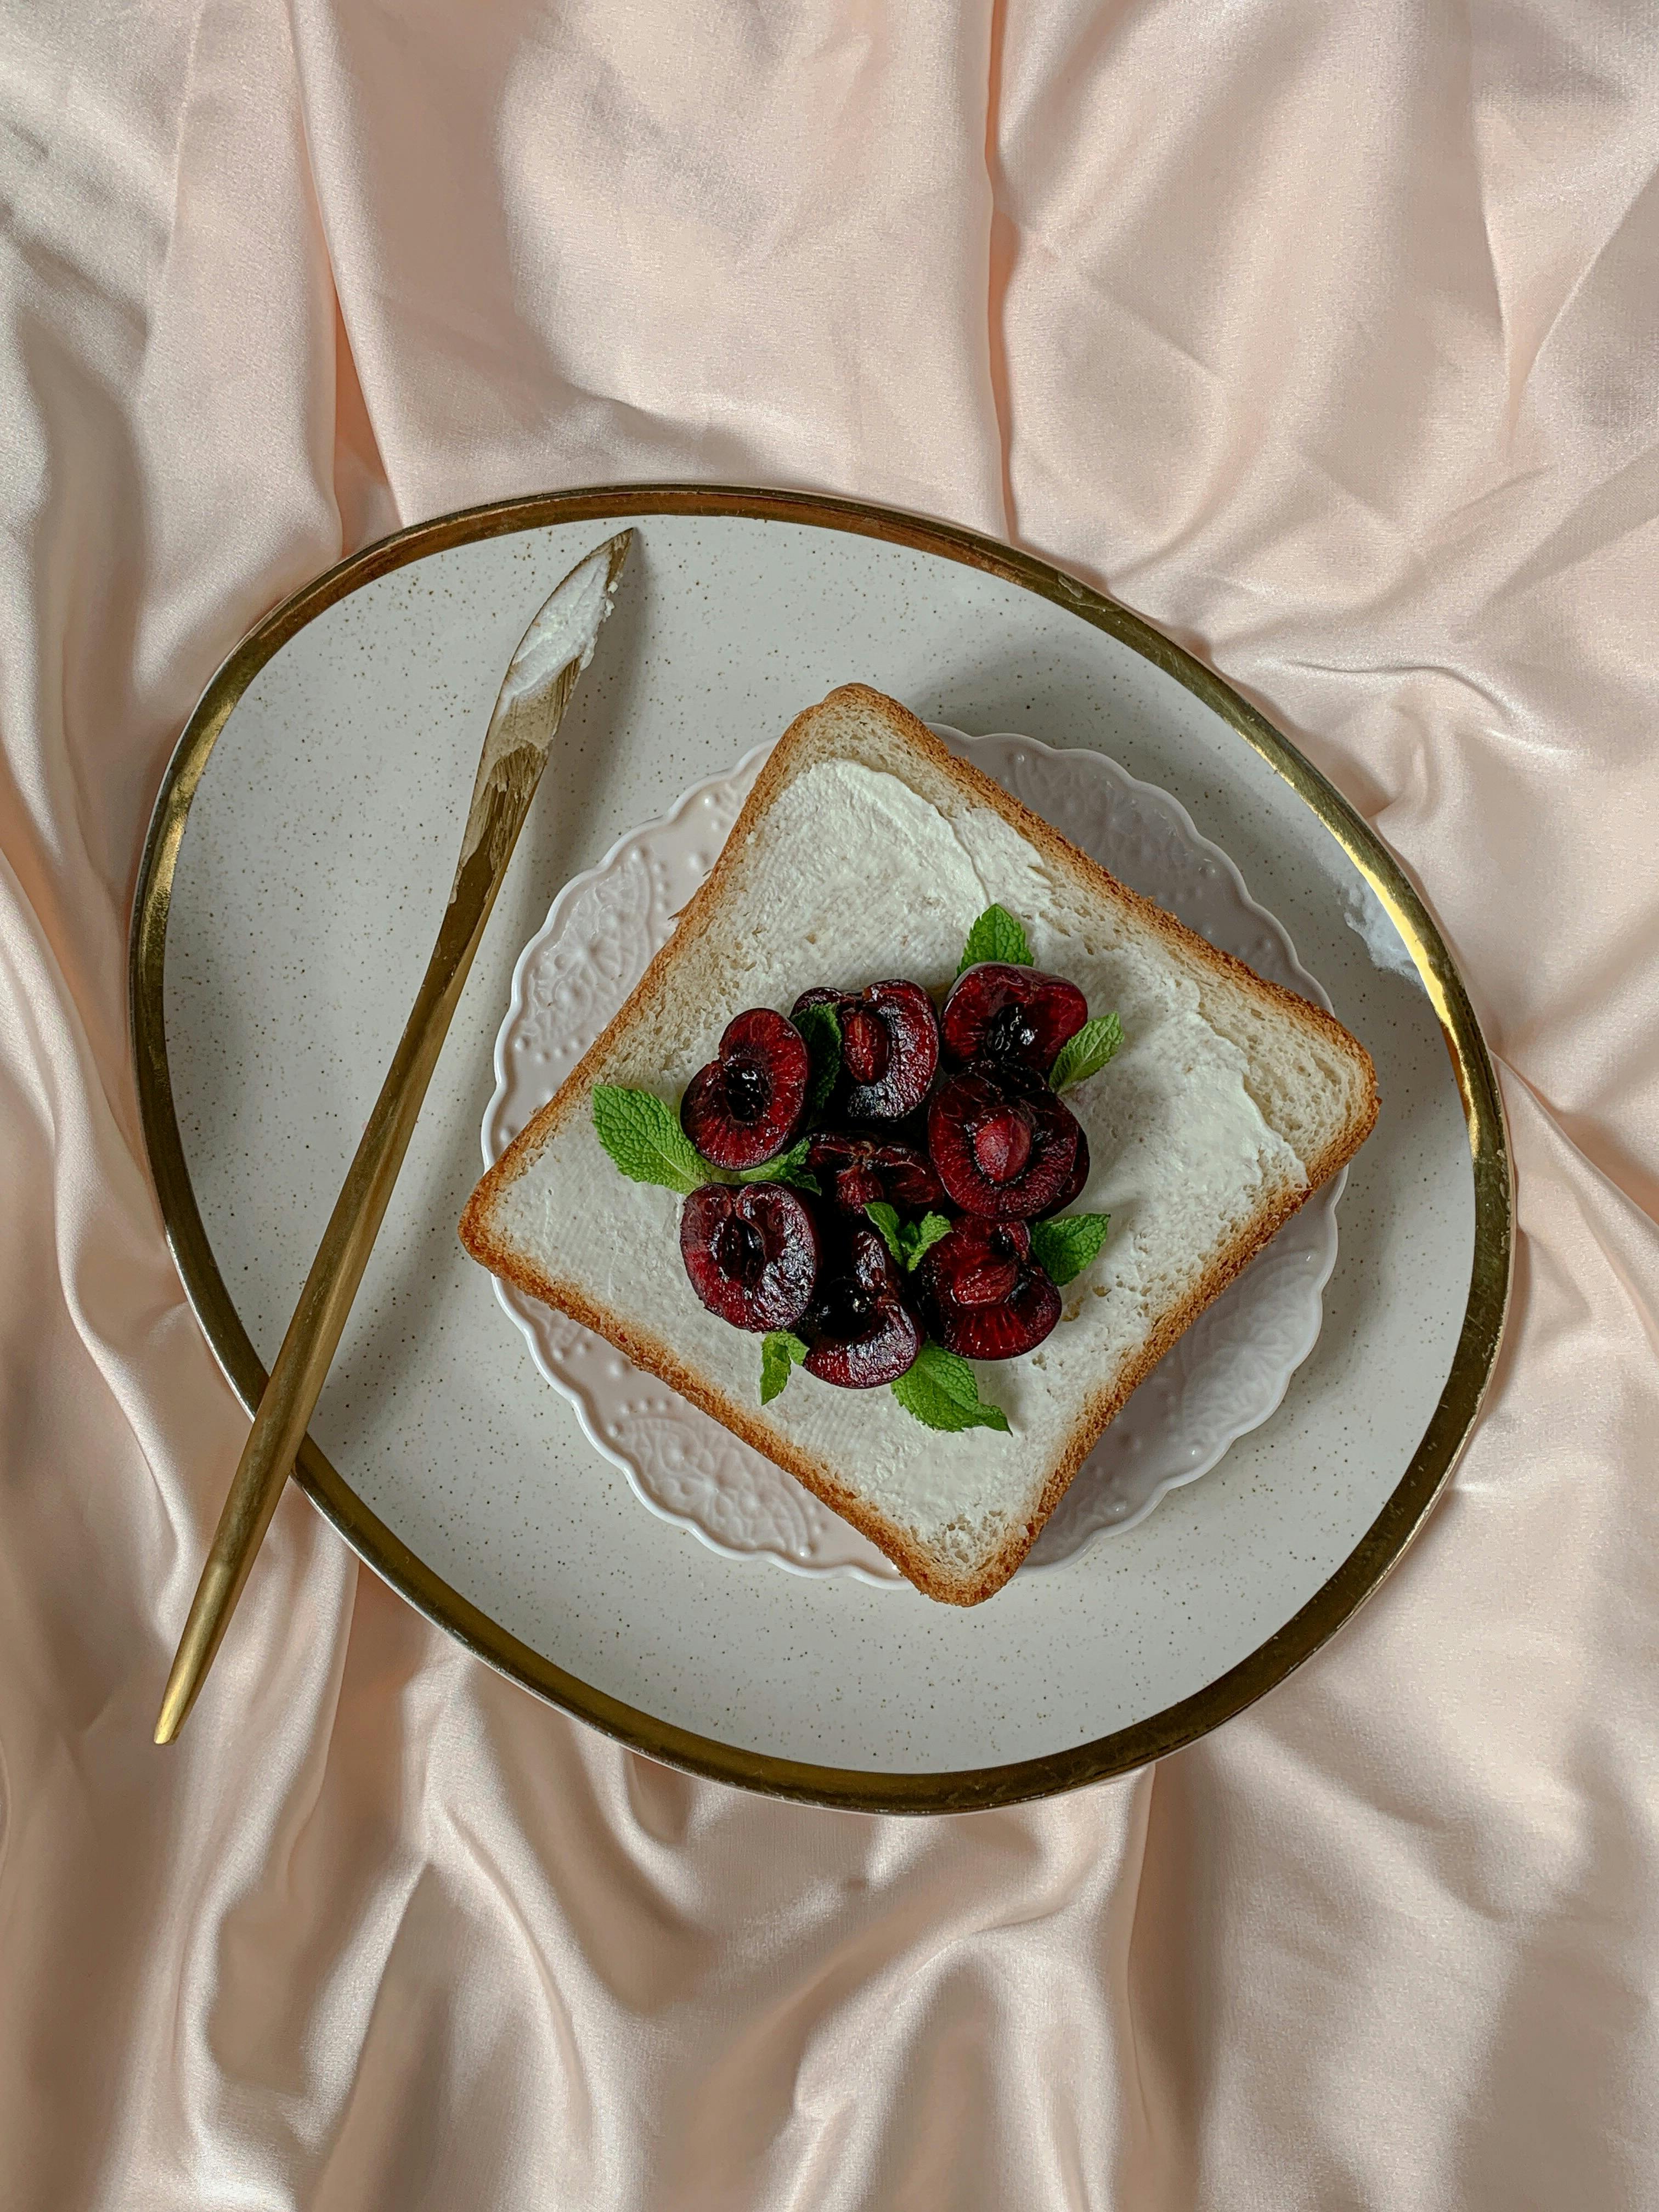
x=1225, y=1377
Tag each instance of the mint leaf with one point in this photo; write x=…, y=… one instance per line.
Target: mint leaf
x=780, y=1354
x=820, y=1025
x=919, y=1236
x=907, y=1240
x=1086, y=1053
x=997, y=935
x=644, y=1137
x=1063, y=1249
x=788, y=1167
x=884, y=1217
x=941, y=1391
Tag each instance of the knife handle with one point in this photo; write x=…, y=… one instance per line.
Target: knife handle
x=314, y=1335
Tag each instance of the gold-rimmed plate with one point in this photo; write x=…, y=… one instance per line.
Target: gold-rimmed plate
x=290, y=884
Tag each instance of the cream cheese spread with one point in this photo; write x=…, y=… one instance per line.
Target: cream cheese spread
x=567, y=629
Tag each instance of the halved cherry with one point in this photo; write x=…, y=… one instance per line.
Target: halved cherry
x=1000, y=1013
x=984, y=1295
x=743, y=1108
x=854, y=1170
x=752, y=1254
x=1001, y=1143
x=889, y=1047
x=860, y=1331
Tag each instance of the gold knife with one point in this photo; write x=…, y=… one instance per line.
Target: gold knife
x=551, y=655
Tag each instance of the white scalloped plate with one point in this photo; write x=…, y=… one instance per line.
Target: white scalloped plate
x=1225, y=1377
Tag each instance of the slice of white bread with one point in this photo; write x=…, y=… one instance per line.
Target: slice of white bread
x=864, y=851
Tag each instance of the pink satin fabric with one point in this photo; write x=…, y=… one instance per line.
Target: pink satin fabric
x=1327, y=338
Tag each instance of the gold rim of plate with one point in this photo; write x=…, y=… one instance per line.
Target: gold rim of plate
x=972, y=1789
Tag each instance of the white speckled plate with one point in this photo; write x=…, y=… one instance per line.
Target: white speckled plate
x=298, y=860
x=1225, y=1378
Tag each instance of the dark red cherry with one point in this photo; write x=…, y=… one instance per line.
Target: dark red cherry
x=752, y=1254
x=743, y=1108
x=855, y=1171
x=860, y=1331
x=984, y=1295
x=1003, y=1148
x=1000, y=1013
x=889, y=1047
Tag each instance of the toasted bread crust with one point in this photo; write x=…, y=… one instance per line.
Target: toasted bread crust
x=800, y=746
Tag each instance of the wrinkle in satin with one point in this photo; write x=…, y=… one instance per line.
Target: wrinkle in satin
x=1327, y=338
